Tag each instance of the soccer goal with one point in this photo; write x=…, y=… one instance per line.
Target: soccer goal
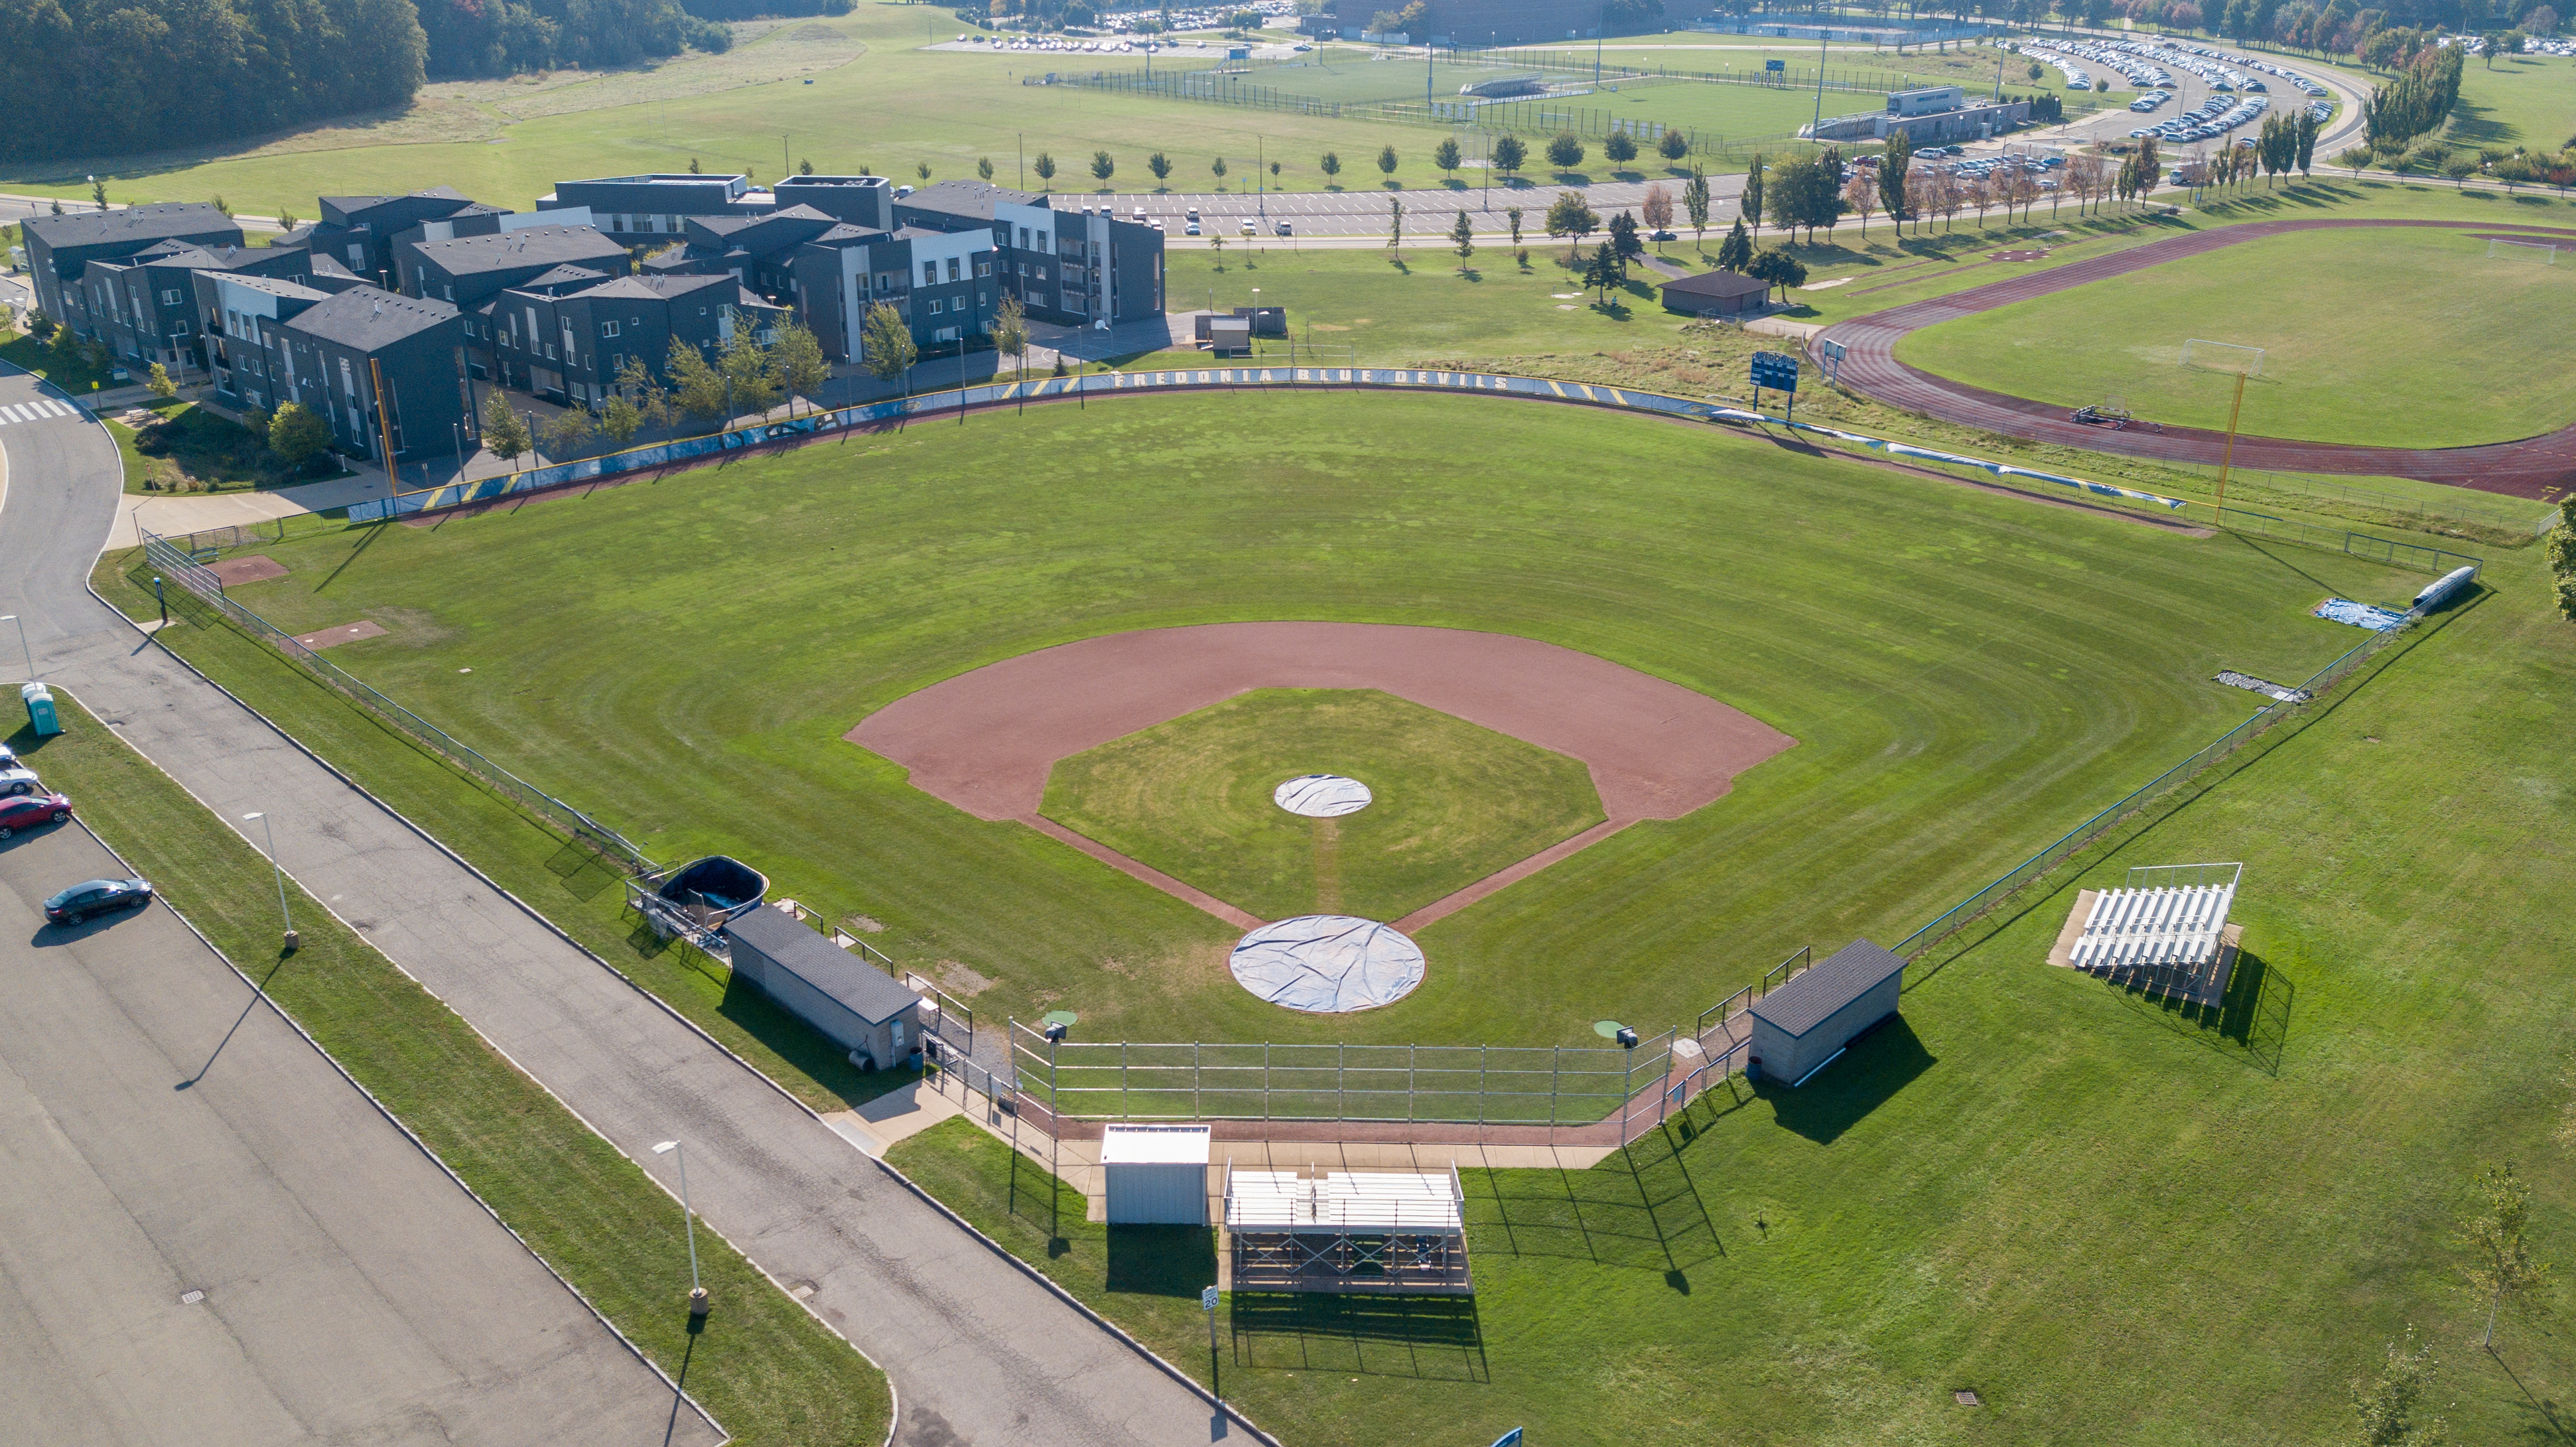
x=2222, y=357
x=2544, y=252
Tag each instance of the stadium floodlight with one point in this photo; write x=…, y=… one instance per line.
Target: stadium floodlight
x=2544, y=252
x=2223, y=357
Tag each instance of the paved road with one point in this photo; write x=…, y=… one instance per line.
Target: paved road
x=161, y=1133
x=2537, y=467
x=977, y=1351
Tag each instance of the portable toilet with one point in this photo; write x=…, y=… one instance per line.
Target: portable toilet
x=40, y=709
x=1156, y=1174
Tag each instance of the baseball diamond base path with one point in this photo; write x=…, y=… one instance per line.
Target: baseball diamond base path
x=984, y=740
x=2531, y=467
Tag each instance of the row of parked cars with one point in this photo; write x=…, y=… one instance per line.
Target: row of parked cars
x=25, y=803
x=2213, y=117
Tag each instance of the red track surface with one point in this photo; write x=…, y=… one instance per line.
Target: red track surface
x=2536, y=467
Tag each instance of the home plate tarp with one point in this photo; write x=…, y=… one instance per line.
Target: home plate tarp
x=1326, y=964
x=1322, y=796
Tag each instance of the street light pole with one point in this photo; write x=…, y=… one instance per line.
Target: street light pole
x=688, y=1218
x=22, y=643
x=269, y=833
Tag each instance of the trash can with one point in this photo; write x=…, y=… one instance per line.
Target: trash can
x=40, y=709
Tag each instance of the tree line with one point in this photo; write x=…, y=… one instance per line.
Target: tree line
x=2419, y=99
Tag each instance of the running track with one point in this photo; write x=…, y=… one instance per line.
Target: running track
x=2541, y=467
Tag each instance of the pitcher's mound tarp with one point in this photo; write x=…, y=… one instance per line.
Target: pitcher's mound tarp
x=1322, y=796
x=1327, y=964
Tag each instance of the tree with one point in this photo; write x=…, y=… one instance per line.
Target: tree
x=696, y=388
x=796, y=362
x=98, y=193
x=1894, y=164
x=2492, y=1227
x=620, y=419
x=1011, y=331
x=1274, y=175
x=2389, y=1404
x=1161, y=166
x=1602, y=272
x=921, y=169
x=1619, y=149
x=1656, y=210
x=298, y=434
x=1044, y=165
x=1735, y=253
x=1862, y=197
x=1510, y=154
x=1751, y=202
x=1462, y=235
x=1695, y=204
x=745, y=367
x=1624, y=244
x=1103, y=166
x=160, y=384
x=1445, y=156
x=886, y=347
x=567, y=430
x=1778, y=268
x=505, y=435
x=2308, y=128
x=805, y=167
x=1331, y=165
x=1513, y=215
x=636, y=385
x=1565, y=152
x=1395, y=221
x=693, y=166
x=2541, y=21
x=1568, y=216
x=1673, y=145
x=1386, y=161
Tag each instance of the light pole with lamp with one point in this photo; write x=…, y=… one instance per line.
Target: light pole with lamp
x=22, y=643
x=269, y=833
x=688, y=1218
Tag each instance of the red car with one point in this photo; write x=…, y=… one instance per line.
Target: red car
x=29, y=810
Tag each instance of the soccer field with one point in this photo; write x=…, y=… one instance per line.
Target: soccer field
x=1966, y=675
x=2395, y=337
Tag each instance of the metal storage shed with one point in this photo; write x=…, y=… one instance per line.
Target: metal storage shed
x=850, y=1001
x=1803, y=1024
x=1156, y=1174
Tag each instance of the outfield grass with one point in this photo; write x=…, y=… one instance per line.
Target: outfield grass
x=1452, y=802
x=1967, y=674
x=2115, y=1219
x=766, y=1368
x=2524, y=101
x=2398, y=338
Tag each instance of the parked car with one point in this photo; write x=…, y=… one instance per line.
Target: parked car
x=16, y=779
x=8, y=757
x=1251, y=227
x=1665, y=236
x=1286, y=230
x=1140, y=215
x=1193, y=228
x=29, y=810
x=1194, y=215
x=97, y=896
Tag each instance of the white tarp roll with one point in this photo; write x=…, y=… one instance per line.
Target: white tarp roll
x=1326, y=964
x=1322, y=796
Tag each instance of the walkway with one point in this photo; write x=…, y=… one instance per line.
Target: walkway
x=978, y=1351
x=2531, y=467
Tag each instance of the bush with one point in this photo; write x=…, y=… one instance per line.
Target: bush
x=707, y=36
x=298, y=434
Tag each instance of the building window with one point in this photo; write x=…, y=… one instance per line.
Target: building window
x=934, y=306
x=608, y=329
x=952, y=268
x=169, y=298
x=983, y=268
x=1024, y=238
x=930, y=273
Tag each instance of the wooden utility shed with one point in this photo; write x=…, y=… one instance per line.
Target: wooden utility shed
x=1156, y=1175
x=1808, y=1021
x=852, y=1002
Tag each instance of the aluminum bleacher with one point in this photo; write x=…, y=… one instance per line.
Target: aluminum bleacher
x=1386, y=1232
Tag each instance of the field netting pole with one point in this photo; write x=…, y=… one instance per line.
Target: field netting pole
x=2229, y=456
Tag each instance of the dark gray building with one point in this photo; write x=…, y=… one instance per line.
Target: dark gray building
x=859, y=200
x=758, y=251
x=638, y=209
x=145, y=306
x=378, y=366
x=567, y=341
x=1067, y=266
x=60, y=247
x=1809, y=1020
x=467, y=270
x=1716, y=294
x=363, y=233
x=857, y=1006
x=941, y=282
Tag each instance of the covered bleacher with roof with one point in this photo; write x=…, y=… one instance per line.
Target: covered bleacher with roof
x=1382, y=1232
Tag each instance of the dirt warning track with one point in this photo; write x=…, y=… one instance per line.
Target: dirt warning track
x=985, y=740
x=2536, y=467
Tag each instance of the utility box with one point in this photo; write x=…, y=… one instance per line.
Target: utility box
x=1156, y=1174
x=40, y=709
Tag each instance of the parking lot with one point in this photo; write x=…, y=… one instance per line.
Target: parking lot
x=208, y=1236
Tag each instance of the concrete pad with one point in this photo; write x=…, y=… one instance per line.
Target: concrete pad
x=2062, y=954
x=345, y=633
x=250, y=568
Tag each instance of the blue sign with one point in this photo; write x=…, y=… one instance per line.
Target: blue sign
x=1766, y=65
x=1834, y=352
x=1775, y=370
x=1512, y=1438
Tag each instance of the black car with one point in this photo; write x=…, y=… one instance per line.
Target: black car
x=29, y=810
x=97, y=896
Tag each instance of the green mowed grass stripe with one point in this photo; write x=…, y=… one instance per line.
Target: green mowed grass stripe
x=2394, y=338
x=1967, y=675
x=1453, y=802
x=767, y=1370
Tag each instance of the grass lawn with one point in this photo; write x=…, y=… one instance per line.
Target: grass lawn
x=1966, y=674
x=1452, y=802
x=2063, y=1195
x=2524, y=100
x=767, y=1369
x=71, y=372
x=2394, y=337
x=195, y=449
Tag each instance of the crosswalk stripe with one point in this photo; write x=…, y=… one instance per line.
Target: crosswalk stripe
x=54, y=408
x=12, y=414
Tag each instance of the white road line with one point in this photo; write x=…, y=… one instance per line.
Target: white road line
x=55, y=408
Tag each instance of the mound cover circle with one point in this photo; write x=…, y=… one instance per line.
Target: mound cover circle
x=1326, y=964
x=1322, y=796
